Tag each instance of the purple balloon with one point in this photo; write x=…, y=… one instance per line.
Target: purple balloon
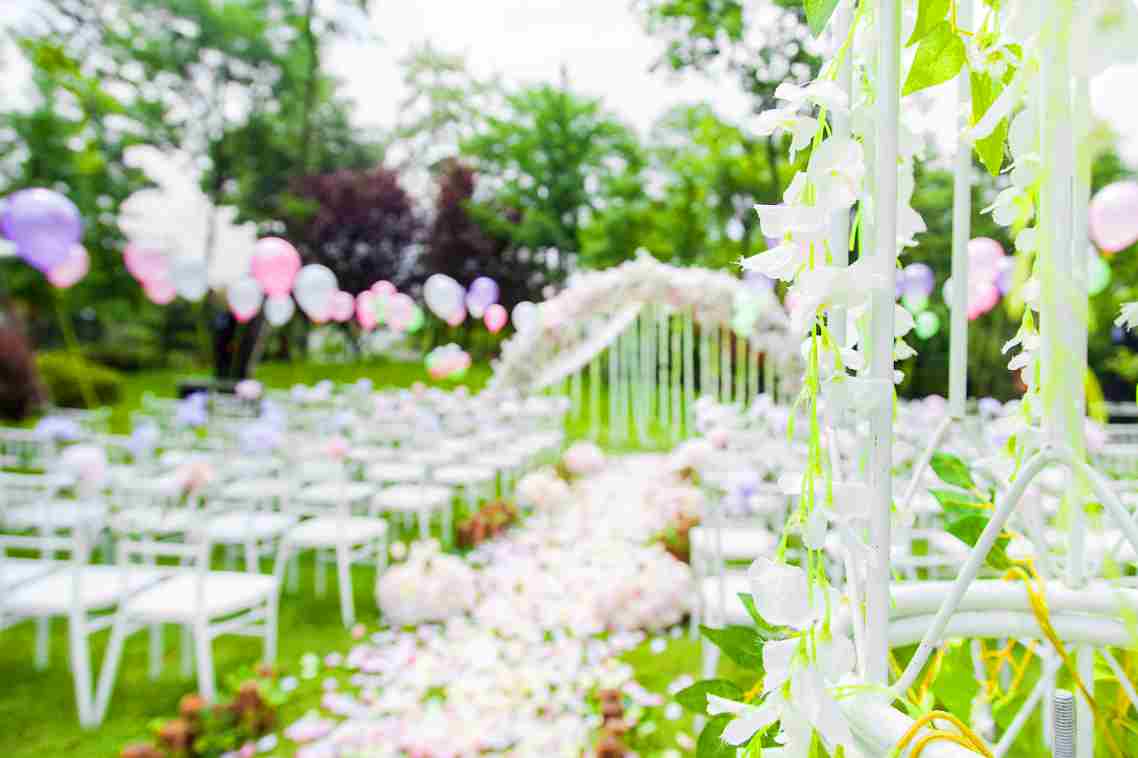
x=917, y=280
x=483, y=293
x=43, y=224
x=1004, y=277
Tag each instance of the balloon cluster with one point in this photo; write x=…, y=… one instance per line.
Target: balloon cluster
x=989, y=276
x=447, y=362
x=45, y=228
x=914, y=285
x=383, y=303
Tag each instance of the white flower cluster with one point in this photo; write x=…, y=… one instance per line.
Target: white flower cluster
x=429, y=586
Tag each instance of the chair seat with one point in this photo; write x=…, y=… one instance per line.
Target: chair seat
x=99, y=587
x=396, y=472
x=224, y=593
x=408, y=497
x=734, y=582
x=334, y=493
x=56, y=515
x=260, y=488
x=738, y=543
x=330, y=531
x=464, y=475
x=16, y=571
x=157, y=520
x=238, y=526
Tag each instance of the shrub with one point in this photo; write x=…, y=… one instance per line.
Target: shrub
x=21, y=391
x=64, y=373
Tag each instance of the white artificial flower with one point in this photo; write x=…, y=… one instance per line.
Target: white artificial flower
x=832, y=285
x=820, y=92
x=801, y=222
x=782, y=594
x=779, y=262
x=802, y=128
x=1006, y=209
x=1128, y=318
x=1027, y=240
x=836, y=170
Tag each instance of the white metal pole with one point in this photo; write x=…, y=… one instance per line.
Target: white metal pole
x=961, y=232
x=840, y=123
x=881, y=369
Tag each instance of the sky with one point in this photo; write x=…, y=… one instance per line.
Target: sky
x=600, y=42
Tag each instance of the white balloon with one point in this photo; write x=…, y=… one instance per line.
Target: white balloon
x=314, y=287
x=443, y=295
x=278, y=310
x=524, y=316
x=190, y=277
x=245, y=298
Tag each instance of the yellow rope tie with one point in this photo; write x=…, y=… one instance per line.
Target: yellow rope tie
x=1038, y=601
x=930, y=674
x=966, y=737
x=754, y=692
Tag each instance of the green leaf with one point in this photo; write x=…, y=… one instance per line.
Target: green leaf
x=766, y=630
x=711, y=744
x=818, y=14
x=952, y=470
x=694, y=698
x=739, y=643
x=967, y=525
x=940, y=56
x=929, y=14
x=990, y=149
x=955, y=499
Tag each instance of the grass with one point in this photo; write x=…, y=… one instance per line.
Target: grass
x=37, y=708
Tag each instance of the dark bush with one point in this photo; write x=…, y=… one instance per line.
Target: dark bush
x=21, y=391
x=64, y=373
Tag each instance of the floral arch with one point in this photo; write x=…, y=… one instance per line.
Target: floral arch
x=660, y=335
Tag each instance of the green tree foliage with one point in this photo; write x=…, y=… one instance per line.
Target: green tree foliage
x=548, y=159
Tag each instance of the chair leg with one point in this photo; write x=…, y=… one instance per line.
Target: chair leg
x=252, y=562
x=187, y=644
x=270, y=652
x=344, y=577
x=81, y=670
x=203, y=651
x=110, y=670
x=321, y=578
x=156, y=646
x=282, y=565
x=43, y=643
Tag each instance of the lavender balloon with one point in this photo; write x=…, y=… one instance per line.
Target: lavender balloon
x=482, y=294
x=43, y=224
x=918, y=280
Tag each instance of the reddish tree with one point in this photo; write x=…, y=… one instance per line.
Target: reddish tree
x=360, y=224
x=458, y=246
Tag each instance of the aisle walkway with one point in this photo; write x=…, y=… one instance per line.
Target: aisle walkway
x=555, y=602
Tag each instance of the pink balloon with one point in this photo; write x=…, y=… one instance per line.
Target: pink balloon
x=495, y=318
x=145, y=264
x=74, y=268
x=400, y=308
x=365, y=309
x=457, y=317
x=1114, y=216
x=984, y=255
x=383, y=287
x=160, y=291
x=343, y=306
x=982, y=299
x=275, y=265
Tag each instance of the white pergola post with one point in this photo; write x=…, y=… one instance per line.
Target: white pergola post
x=961, y=232
x=881, y=367
x=840, y=124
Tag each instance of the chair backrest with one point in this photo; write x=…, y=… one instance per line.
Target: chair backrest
x=69, y=554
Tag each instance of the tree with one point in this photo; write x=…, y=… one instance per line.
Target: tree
x=363, y=226
x=549, y=159
x=458, y=246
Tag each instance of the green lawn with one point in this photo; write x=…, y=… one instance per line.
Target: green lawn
x=37, y=707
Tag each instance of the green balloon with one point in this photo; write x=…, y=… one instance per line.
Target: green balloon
x=915, y=303
x=416, y=321
x=927, y=324
x=1098, y=275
